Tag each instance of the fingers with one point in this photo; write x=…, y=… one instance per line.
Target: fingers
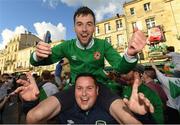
x=6, y=97
x=137, y=42
x=141, y=96
x=43, y=50
x=135, y=29
x=33, y=82
x=126, y=101
x=151, y=108
x=43, y=45
x=30, y=78
x=18, y=90
x=23, y=82
x=135, y=84
x=146, y=102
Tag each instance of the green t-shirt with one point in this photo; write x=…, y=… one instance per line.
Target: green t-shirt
x=89, y=60
x=153, y=97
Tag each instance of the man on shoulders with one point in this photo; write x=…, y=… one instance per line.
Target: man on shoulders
x=87, y=54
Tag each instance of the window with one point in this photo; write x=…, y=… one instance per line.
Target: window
x=150, y=23
x=132, y=11
x=97, y=29
x=146, y=6
x=134, y=25
x=119, y=24
x=120, y=40
x=107, y=27
x=108, y=39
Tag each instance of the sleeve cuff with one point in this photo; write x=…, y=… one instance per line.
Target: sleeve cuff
x=35, y=57
x=130, y=59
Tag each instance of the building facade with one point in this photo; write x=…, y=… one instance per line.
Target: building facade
x=9, y=57
x=114, y=31
x=15, y=57
x=152, y=15
x=158, y=19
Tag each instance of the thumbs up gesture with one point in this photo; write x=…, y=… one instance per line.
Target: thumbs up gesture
x=136, y=43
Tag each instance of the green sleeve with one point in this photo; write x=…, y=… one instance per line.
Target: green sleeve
x=42, y=95
x=116, y=61
x=57, y=54
x=158, y=114
x=155, y=100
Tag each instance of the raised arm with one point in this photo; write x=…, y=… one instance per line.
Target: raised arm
x=160, y=76
x=44, y=111
x=129, y=59
x=138, y=103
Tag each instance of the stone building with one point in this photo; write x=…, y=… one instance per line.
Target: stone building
x=9, y=57
x=114, y=31
x=153, y=17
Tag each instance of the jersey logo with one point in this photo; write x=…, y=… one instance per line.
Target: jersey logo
x=70, y=122
x=100, y=122
x=97, y=55
x=73, y=57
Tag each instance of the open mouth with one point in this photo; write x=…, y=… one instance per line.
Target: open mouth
x=84, y=36
x=84, y=100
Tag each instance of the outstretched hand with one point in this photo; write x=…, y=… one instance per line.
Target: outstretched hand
x=138, y=103
x=29, y=90
x=136, y=43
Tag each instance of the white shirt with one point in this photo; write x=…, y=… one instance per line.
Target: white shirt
x=50, y=88
x=175, y=59
x=164, y=80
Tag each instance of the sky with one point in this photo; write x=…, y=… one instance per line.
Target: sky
x=38, y=16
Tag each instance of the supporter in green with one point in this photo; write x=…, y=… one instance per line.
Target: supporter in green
x=135, y=74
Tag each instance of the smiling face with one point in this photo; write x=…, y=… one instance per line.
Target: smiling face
x=86, y=92
x=84, y=27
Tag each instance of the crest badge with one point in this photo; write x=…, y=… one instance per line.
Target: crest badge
x=100, y=122
x=97, y=55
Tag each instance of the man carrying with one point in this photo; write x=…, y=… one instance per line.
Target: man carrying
x=86, y=107
x=87, y=54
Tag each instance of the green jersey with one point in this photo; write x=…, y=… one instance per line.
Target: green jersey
x=90, y=59
x=153, y=97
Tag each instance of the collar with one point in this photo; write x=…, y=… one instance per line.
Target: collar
x=78, y=44
x=79, y=110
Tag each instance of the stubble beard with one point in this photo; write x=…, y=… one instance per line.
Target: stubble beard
x=85, y=44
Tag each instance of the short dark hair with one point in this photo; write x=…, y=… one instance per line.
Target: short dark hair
x=87, y=75
x=170, y=48
x=84, y=11
x=139, y=68
x=151, y=73
x=46, y=75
